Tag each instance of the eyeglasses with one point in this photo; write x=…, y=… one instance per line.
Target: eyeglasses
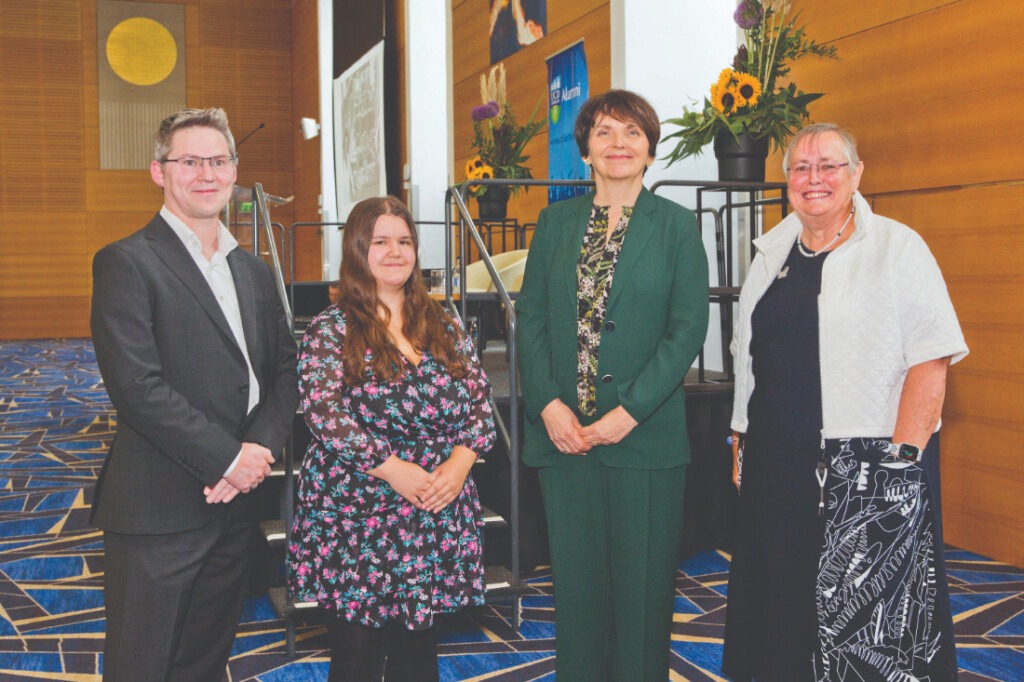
x=192, y=164
x=825, y=169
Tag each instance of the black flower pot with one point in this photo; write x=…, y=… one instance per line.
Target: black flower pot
x=493, y=203
x=742, y=161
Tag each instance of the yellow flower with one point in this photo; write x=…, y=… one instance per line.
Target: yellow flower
x=485, y=173
x=724, y=79
x=723, y=99
x=748, y=90
x=473, y=167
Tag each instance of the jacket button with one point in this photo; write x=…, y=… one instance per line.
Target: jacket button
x=243, y=388
x=609, y=326
x=606, y=379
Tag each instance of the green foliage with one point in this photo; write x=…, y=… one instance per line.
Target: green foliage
x=500, y=141
x=771, y=44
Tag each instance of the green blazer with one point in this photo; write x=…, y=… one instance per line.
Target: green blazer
x=655, y=323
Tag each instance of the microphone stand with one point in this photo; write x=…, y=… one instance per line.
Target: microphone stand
x=249, y=134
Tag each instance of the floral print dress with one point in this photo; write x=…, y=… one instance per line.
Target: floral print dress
x=358, y=548
x=594, y=273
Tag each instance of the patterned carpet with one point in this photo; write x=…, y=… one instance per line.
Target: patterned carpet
x=55, y=426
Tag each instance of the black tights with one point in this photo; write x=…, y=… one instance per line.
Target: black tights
x=363, y=654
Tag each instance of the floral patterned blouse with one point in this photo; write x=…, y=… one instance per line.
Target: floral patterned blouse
x=594, y=272
x=358, y=548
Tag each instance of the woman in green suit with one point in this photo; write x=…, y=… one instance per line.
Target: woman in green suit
x=613, y=310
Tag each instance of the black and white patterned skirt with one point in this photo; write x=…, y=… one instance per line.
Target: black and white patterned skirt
x=883, y=606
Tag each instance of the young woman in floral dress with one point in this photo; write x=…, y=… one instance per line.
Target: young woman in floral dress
x=387, y=528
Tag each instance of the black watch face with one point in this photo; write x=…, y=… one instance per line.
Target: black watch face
x=908, y=452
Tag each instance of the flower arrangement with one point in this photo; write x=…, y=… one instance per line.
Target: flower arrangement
x=745, y=98
x=497, y=139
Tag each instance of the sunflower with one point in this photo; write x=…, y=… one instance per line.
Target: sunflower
x=485, y=173
x=748, y=90
x=473, y=167
x=724, y=79
x=723, y=99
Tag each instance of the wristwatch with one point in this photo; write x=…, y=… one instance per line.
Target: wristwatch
x=905, y=451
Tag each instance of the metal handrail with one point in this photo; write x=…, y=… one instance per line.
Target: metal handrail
x=729, y=187
x=512, y=433
x=261, y=213
x=724, y=293
x=291, y=243
x=510, y=436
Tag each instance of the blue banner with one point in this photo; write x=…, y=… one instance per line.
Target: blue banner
x=568, y=89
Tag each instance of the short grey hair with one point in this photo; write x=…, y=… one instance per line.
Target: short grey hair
x=816, y=129
x=213, y=117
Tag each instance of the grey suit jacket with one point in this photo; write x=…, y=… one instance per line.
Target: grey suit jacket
x=179, y=381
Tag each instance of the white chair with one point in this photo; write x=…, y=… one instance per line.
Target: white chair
x=512, y=275
x=478, y=280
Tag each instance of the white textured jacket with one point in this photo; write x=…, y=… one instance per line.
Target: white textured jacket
x=883, y=308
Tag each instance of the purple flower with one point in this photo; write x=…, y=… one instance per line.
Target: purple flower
x=748, y=14
x=485, y=111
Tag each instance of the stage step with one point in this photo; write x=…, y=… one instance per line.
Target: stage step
x=277, y=468
x=285, y=607
x=273, y=532
x=493, y=520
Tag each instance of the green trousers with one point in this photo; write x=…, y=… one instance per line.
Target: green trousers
x=614, y=536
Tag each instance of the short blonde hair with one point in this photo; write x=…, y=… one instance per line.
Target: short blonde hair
x=213, y=117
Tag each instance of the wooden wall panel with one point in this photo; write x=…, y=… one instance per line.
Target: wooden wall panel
x=471, y=42
x=396, y=23
x=45, y=317
x=56, y=206
x=60, y=233
x=977, y=238
x=121, y=190
x=526, y=79
x=306, y=103
x=104, y=227
x=44, y=274
x=928, y=94
x=923, y=86
x=471, y=52
x=912, y=82
x=54, y=19
x=830, y=20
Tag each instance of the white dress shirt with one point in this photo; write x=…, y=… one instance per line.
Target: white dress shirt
x=217, y=274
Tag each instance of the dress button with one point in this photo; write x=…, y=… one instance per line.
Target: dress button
x=606, y=379
x=243, y=388
x=609, y=326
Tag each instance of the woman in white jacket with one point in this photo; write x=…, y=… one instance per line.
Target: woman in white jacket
x=844, y=335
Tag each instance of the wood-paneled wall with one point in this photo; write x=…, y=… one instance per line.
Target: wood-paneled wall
x=526, y=71
x=306, y=104
x=927, y=86
x=57, y=207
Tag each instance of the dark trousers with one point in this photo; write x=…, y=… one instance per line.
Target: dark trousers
x=394, y=654
x=173, y=602
x=614, y=536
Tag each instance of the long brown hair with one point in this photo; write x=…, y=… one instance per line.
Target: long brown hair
x=424, y=322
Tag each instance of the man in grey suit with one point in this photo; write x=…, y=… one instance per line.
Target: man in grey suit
x=195, y=351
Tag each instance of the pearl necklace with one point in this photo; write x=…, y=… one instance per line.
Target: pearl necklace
x=815, y=254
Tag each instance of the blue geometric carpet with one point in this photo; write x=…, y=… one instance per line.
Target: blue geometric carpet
x=55, y=428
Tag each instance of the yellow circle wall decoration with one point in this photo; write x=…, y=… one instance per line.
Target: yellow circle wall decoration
x=141, y=51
